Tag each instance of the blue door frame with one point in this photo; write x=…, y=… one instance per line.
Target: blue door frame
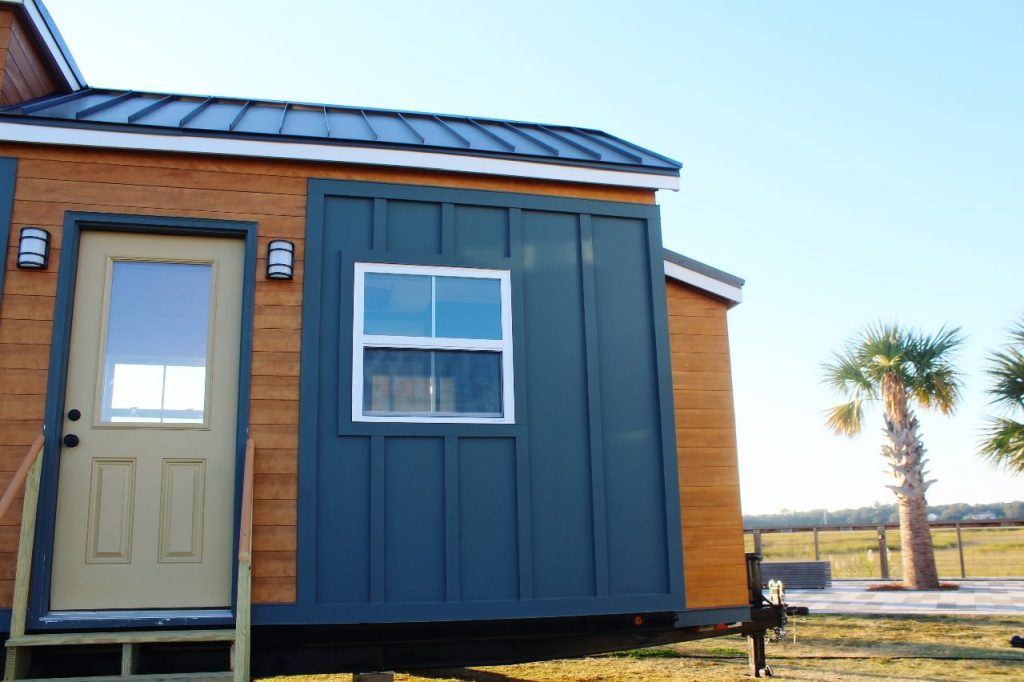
x=40, y=617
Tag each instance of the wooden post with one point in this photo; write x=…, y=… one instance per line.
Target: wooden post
x=817, y=549
x=16, y=665
x=129, y=658
x=883, y=553
x=757, y=543
x=960, y=549
x=243, y=601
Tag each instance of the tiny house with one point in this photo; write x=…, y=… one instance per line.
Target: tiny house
x=346, y=389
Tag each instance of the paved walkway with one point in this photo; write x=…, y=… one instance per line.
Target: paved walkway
x=1002, y=597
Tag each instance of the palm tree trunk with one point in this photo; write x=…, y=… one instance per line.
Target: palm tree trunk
x=919, y=572
x=905, y=454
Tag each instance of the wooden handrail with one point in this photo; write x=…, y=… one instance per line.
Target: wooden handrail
x=243, y=609
x=21, y=474
x=245, y=527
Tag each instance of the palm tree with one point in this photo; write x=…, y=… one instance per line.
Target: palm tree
x=899, y=367
x=1004, y=438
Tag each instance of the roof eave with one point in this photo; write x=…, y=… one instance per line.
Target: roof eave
x=704, y=277
x=50, y=131
x=39, y=19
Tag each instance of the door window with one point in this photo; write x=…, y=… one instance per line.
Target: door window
x=156, y=343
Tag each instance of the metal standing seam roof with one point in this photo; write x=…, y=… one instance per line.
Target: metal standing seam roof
x=704, y=269
x=327, y=124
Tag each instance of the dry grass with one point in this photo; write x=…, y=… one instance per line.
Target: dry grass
x=861, y=648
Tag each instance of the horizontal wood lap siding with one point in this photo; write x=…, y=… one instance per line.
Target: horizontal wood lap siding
x=714, y=565
x=52, y=180
x=25, y=73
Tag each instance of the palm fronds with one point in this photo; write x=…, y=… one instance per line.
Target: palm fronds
x=933, y=380
x=846, y=419
x=1003, y=444
x=1003, y=440
x=923, y=365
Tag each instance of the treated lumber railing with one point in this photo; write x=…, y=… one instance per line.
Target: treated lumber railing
x=21, y=474
x=19, y=647
x=243, y=608
x=27, y=475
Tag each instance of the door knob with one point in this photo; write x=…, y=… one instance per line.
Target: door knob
x=71, y=440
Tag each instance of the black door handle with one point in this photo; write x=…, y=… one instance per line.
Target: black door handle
x=71, y=440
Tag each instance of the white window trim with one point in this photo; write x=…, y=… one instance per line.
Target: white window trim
x=361, y=341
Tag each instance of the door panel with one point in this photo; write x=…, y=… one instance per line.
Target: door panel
x=144, y=501
x=181, y=510
x=111, y=506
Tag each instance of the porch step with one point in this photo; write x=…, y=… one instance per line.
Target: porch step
x=137, y=637
x=20, y=648
x=169, y=677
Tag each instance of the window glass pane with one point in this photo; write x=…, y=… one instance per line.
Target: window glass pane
x=468, y=382
x=424, y=382
x=468, y=308
x=157, y=334
x=396, y=305
x=396, y=381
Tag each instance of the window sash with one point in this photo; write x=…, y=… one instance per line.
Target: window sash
x=361, y=341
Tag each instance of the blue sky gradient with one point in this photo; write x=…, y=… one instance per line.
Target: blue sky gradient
x=854, y=162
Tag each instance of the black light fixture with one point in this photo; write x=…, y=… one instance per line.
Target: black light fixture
x=34, y=248
x=280, y=259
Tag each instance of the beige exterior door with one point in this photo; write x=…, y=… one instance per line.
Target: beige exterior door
x=144, y=500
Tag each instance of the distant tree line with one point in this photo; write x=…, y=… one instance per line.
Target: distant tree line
x=885, y=513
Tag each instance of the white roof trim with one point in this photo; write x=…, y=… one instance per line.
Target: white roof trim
x=374, y=156
x=702, y=281
x=52, y=44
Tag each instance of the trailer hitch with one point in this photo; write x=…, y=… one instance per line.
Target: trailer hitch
x=769, y=616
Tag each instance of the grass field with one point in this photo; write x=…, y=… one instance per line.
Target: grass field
x=856, y=648
x=988, y=552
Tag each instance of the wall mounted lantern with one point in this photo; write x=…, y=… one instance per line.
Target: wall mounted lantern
x=280, y=259
x=34, y=248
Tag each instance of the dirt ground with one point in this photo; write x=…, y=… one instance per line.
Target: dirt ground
x=860, y=648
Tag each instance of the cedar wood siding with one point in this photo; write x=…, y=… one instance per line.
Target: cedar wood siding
x=714, y=563
x=52, y=180
x=24, y=74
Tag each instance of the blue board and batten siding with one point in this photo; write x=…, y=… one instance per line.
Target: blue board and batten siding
x=573, y=509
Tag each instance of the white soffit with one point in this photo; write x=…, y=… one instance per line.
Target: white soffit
x=703, y=282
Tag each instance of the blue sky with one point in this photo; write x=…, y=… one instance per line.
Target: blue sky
x=853, y=161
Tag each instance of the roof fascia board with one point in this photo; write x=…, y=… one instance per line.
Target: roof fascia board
x=374, y=156
x=701, y=281
x=47, y=31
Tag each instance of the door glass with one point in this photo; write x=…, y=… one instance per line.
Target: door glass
x=158, y=327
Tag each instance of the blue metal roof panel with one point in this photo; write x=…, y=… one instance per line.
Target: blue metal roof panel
x=376, y=127
x=215, y=116
x=309, y=122
x=67, y=107
x=260, y=119
x=349, y=125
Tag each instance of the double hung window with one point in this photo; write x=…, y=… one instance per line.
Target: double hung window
x=431, y=344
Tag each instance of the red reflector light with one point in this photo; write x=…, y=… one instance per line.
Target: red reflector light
x=638, y=620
